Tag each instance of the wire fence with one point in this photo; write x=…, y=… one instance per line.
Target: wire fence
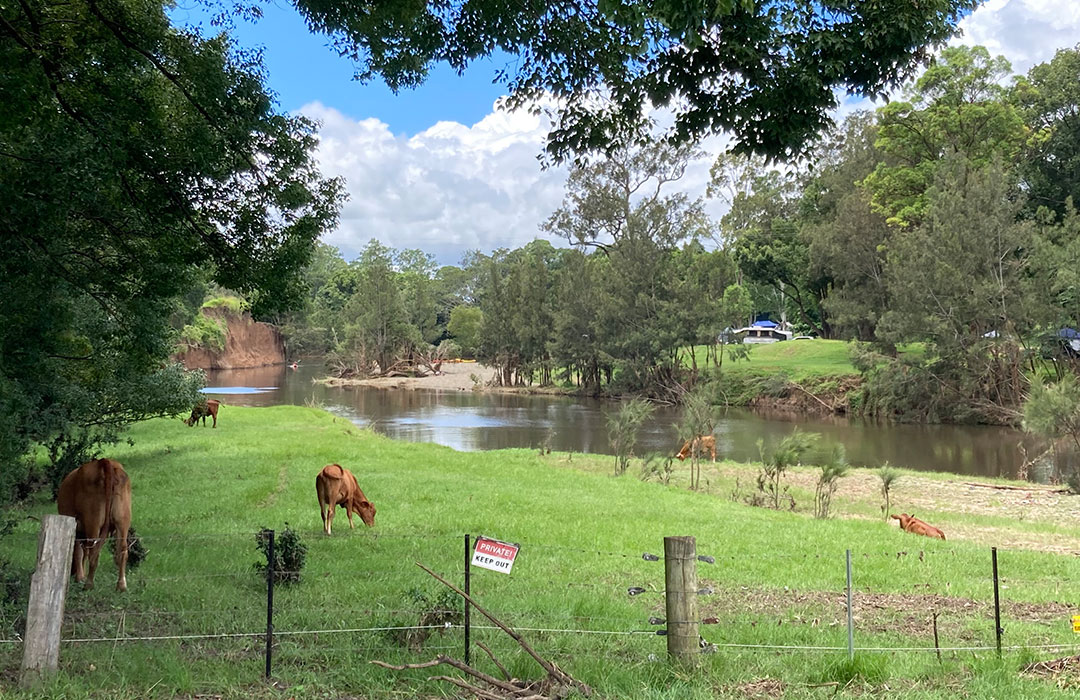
x=570, y=599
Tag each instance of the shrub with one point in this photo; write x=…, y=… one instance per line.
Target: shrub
x=290, y=554
x=204, y=332
x=786, y=454
x=888, y=477
x=623, y=427
x=435, y=611
x=831, y=473
x=659, y=466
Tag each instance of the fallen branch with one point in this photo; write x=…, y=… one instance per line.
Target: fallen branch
x=1006, y=487
x=554, y=687
x=831, y=409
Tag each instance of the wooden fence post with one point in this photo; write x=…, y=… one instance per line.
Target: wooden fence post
x=48, y=589
x=680, y=583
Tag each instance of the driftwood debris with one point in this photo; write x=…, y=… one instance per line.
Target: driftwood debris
x=1007, y=487
x=557, y=684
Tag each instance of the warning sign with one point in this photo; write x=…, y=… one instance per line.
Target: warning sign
x=1076, y=623
x=494, y=555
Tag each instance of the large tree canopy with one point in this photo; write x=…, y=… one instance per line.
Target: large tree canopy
x=132, y=157
x=768, y=71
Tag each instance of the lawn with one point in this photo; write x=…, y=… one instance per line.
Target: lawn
x=201, y=494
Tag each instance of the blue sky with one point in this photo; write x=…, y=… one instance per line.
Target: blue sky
x=303, y=69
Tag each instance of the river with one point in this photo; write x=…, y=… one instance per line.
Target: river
x=467, y=420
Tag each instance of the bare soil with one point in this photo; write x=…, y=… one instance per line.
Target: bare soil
x=455, y=376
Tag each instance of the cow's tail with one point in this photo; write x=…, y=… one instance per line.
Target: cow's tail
x=110, y=487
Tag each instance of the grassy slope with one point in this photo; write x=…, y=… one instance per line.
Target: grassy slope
x=200, y=494
x=799, y=359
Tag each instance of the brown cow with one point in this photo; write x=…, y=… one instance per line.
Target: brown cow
x=209, y=407
x=700, y=445
x=336, y=486
x=98, y=496
x=909, y=523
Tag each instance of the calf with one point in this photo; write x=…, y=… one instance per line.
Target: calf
x=209, y=407
x=98, y=496
x=699, y=445
x=336, y=486
x=909, y=523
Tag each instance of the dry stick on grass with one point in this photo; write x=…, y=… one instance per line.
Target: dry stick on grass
x=521, y=692
x=494, y=660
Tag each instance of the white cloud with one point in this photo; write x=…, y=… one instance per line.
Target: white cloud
x=454, y=187
x=1026, y=32
x=450, y=188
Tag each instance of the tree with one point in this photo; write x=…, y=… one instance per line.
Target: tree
x=464, y=327
x=958, y=282
x=618, y=206
x=134, y=158
x=957, y=106
x=847, y=240
x=1050, y=99
x=378, y=328
x=767, y=72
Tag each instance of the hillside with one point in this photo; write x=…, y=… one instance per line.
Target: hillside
x=201, y=494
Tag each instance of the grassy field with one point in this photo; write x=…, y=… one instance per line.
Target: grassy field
x=201, y=494
x=798, y=359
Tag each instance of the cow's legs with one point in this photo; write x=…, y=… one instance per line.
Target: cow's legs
x=121, y=558
x=93, y=551
x=214, y=415
x=348, y=511
x=77, y=557
x=331, y=509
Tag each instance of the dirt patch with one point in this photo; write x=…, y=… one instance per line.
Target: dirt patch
x=910, y=614
x=1064, y=671
x=455, y=376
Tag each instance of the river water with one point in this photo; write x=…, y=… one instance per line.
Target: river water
x=467, y=420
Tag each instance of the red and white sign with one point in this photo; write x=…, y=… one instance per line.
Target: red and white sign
x=494, y=555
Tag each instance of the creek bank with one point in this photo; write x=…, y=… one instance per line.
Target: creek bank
x=248, y=343
x=454, y=376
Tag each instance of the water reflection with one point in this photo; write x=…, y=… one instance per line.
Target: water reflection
x=471, y=421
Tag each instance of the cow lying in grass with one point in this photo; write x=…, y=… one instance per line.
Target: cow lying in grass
x=209, y=407
x=699, y=445
x=909, y=523
x=98, y=496
x=336, y=486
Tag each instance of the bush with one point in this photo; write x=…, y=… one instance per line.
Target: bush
x=290, y=554
x=831, y=473
x=204, y=332
x=15, y=589
x=623, y=426
x=786, y=454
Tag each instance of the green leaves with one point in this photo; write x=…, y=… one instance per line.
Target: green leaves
x=768, y=73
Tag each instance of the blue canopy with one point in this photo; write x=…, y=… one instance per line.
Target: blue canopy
x=765, y=323
x=1069, y=333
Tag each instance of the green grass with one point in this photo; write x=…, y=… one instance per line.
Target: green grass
x=201, y=494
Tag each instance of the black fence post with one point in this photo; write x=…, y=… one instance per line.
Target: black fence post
x=269, y=600
x=468, y=591
x=997, y=601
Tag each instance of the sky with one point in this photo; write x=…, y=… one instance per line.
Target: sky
x=443, y=169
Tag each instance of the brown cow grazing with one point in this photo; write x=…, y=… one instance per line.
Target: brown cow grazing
x=209, y=407
x=336, y=486
x=700, y=445
x=98, y=496
x=909, y=523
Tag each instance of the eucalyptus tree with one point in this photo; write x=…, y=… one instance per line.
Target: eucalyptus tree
x=958, y=105
x=1050, y=98
x=619, y=206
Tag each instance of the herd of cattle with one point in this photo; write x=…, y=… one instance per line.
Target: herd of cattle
x=98, y=496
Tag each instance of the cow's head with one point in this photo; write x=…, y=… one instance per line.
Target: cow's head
x=366, y=509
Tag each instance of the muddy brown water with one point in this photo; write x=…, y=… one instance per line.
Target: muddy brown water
x=469, y=421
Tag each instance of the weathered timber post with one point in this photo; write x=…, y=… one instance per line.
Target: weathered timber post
x=680, y=583
x=48, y=590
